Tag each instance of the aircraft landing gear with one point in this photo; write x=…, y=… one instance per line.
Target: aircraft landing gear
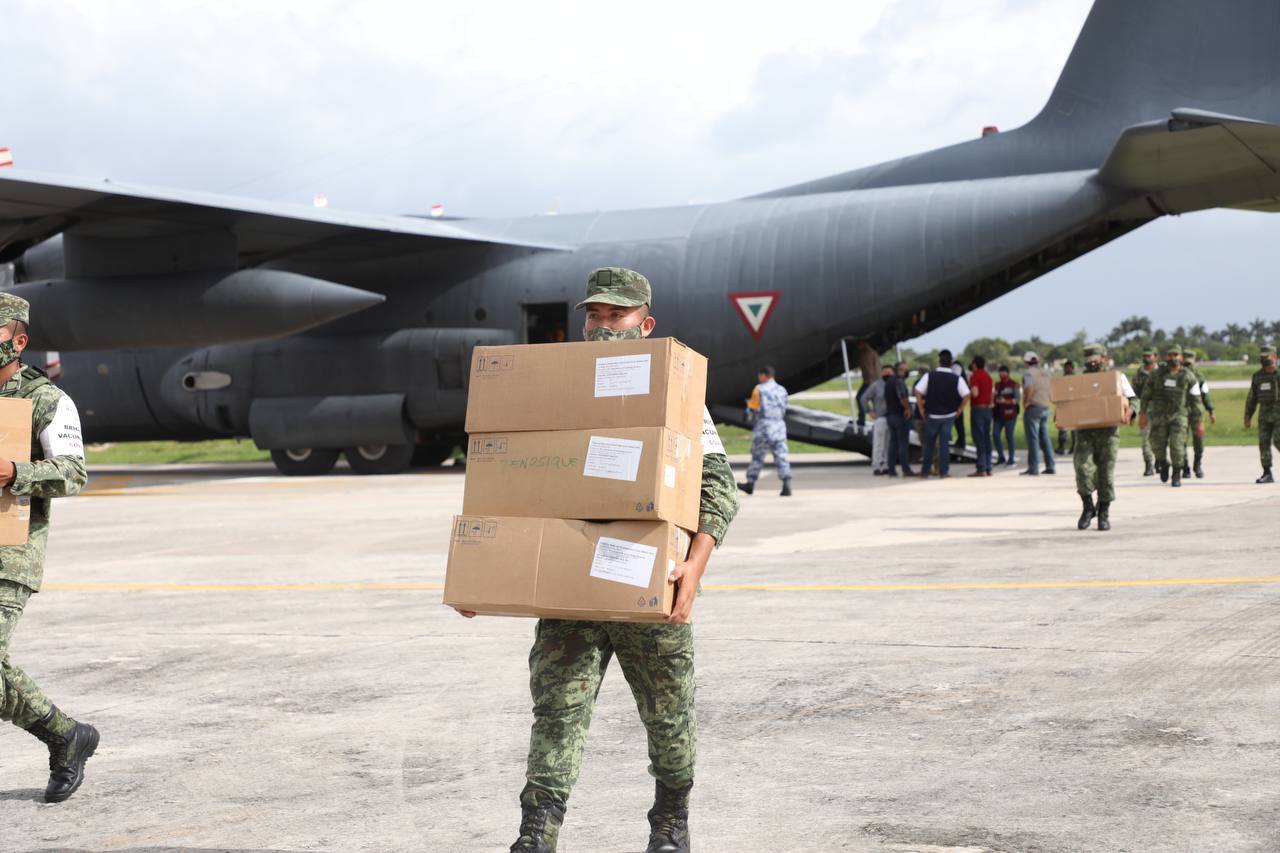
x=379, y=458
x=304, y=461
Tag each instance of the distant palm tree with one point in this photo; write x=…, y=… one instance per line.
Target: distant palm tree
x=1258, y=330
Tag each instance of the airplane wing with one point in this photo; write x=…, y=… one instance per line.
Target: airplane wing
x=34, y=207
x=1197, y=160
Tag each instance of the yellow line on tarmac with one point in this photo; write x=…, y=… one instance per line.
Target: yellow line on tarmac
x=926, y=587
x=399, y=587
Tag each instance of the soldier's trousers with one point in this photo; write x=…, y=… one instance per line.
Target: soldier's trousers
x=1268, y=434
x=769, y=437
x=566, y=666
x=21, y=701
x=1147, y=456
x=1169, y=440
x=1094, y=458
x=1197, y=441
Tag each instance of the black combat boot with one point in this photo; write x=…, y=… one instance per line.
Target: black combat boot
x=67, y=755
x=1104, y=515
x=786, y=488
x=539, y=828
x=1198, y=469
x=1186, y=469
x=1177, y=476
x=1266, y=477
x=669, y=820
x=749, y=487
x=1086, y=517
x=1164, y=470
x=1150, y=470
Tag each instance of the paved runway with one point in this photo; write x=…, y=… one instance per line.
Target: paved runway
x=883, y=666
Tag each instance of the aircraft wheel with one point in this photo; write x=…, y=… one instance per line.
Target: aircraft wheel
x=433, y=454
x=304, y=461
x=379, y=458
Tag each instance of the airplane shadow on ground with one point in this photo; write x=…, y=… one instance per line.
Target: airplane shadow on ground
x=162, y=850
x=22, y=794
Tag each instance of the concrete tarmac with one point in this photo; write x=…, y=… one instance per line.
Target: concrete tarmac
x=883, y=665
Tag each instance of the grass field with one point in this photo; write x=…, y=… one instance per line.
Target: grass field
x=173, y=452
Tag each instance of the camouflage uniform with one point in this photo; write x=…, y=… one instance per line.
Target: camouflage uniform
x=569, y=657
x=1194, y=420
x=1264, y=398
x=56, y=470
x=769, y=434
x=1094, y=454
x=1139, y=381
x=1170, y=400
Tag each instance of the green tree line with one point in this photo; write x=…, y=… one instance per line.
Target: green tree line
x=1125, y=343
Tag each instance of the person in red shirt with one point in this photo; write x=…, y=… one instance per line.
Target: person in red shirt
x=982, y=401
x=1007, y=394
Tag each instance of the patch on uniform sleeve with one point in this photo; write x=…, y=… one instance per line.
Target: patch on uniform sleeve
x=711, y=442
x=62, y=436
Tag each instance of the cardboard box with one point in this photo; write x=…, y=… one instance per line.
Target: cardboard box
x=1083, y=386
x=1092, y=413
x=655, y=382
x=507, y=566
x=15, y=445
x=646, y=473
x=1089, y=400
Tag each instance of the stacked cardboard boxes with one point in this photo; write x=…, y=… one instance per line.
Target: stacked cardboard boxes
x=1089, y=400
x=584, y=473
x=15, y=445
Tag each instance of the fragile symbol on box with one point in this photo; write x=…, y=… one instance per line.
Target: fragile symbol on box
x=495, y=363
x=476, y=528
x=488, y=446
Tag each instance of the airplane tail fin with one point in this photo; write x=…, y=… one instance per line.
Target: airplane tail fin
x=1137, y=60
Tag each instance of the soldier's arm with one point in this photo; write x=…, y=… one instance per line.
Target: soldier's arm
x=1204, y=397
x=1251, y=400
x=62, y=472
x=719, y=497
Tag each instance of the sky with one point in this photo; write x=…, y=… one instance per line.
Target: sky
x=511, y=109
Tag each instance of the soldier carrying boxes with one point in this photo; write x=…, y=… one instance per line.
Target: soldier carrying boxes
x=563, y=435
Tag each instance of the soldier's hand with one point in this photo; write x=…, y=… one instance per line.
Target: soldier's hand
x=1246, y=423
x=686, y=576
x=1213, y=419
x=1142, y=421
x=7, y=472
x=1200, y=430
x=470, y=614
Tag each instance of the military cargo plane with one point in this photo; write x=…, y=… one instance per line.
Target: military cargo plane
x=316, y=332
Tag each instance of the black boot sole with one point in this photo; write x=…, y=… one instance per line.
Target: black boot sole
x=85, y=755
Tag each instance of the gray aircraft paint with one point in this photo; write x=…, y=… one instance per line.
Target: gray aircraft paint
x=879, y=254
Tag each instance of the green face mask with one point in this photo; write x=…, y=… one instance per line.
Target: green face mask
x=1173, y=362
x=8, y=353
x=604, y=333
x=1092, y=367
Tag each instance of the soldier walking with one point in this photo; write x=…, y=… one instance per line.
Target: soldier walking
x=1139, y=382
x=56, y=470
x=1264, y=398
x=768, y=404
x=1169, y=398
x=1197, y=436
x=1094, y=455
x=569, y=657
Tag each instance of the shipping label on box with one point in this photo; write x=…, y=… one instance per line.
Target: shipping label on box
x=638, y=473
x=563, y=569
x=655, y=382
x=15, y=445
x=1082, y=386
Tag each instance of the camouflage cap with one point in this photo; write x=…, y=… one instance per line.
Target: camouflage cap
x=1188, y=354
x=1172, y=348
x=1267, y=351
x=14, y=308
x=1094, y=351
x=1148, y=352
x=617, y=286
